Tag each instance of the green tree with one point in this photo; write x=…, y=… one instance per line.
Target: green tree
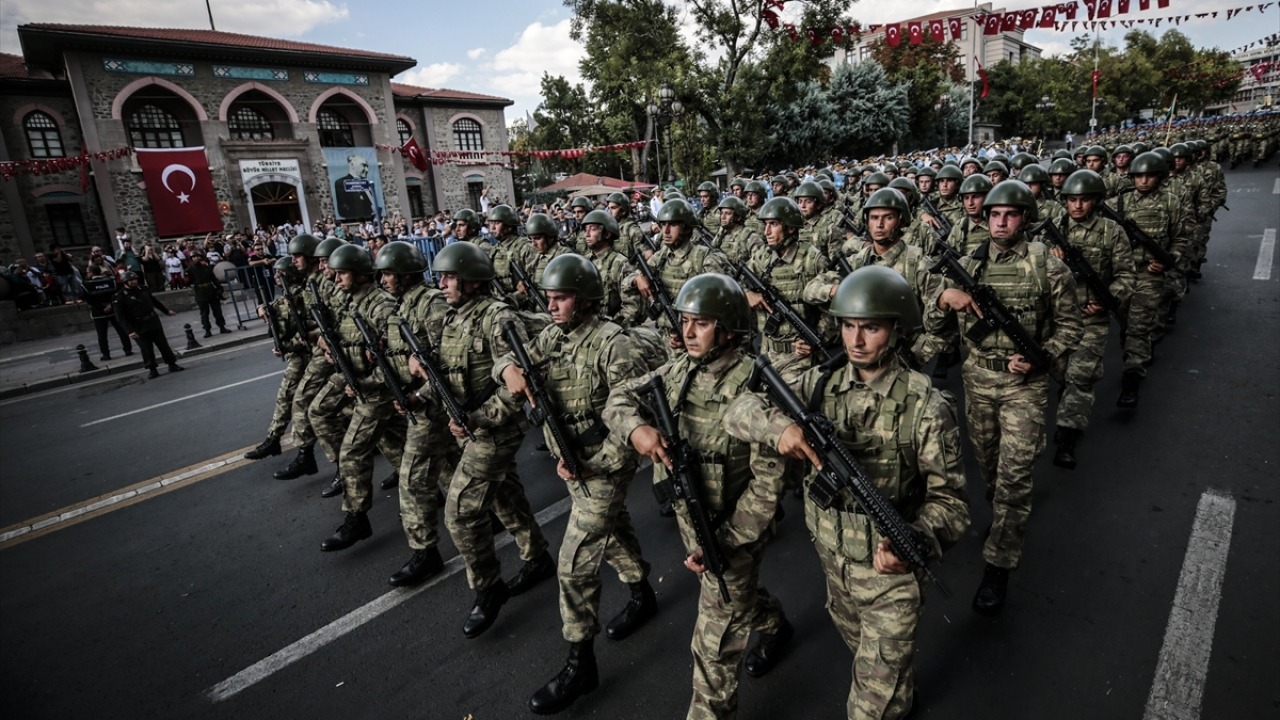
x=874, y=109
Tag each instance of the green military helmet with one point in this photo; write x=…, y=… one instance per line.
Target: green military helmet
x=1013, y=193
x=826, y=184
x=1023, y=160
x=677, y=211
x=876, y=292
x=673, y=195
x=304, y=244
x=908, y=188
x=504, y=214
x=1149, y=163
x=351, y=258
x=716, y=296
x=282, y=263
x=757, y=186
x=1122, y=150
x=467, y=260
x=573, y=273
x=778, y=179
x=708, y=186
x=580, y=202
x=976, y=184
x=1165, y=153
x=1001, y=158
x=927, y=170
x=326, y=247
x=731, y=202
x=996, y=166
x=738, y=182
x=401, y=258
x=601, y=217
x=1096, y=151
x=792, y=176
x=1180, y=150
x=1034, y=174
x=1084, y=182
x=1062, y=166
x=889, y=198
x=784, y=210
x=826, y=173
x=468, y=216
x=541, y=224
x=970, y=161
x=619, y=198
x=876, y=178
x=950, y=172
x=1141, y=147
x=867, y=169
x=808, y=189
x=1061, y=155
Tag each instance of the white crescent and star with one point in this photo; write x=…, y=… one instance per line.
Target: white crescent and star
x=178, y=168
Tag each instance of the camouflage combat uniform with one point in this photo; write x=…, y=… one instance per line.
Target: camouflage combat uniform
x=674, y=265
x=297, y=356
x=788, y=268
x=1160, y=214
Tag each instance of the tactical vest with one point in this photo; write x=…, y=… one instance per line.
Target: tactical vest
x=1023, y=287
x=629, y=237
x=1153, y=213
x=423, y=309
x=502, y=254
x=725, y=461
x=1092, y=243
x=675, y=270
x=374, y=305
x=968, y=236
x=538, y=262
x=788, y=277
x=466, y=352
x=612, y=266
x=576, y=381
x=738, y=243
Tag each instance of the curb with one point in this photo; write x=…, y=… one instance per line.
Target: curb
x=76, y=378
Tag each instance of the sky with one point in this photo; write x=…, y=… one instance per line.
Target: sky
x=502, y=47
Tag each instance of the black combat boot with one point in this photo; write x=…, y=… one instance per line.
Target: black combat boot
x=642, y=606
x=579, y=677
x=153, y=373
x=304, y=463
x=336, y=487
x=769, y=650
x=269, y=447
x=989, y=599
x=207, y=333
x=488, y=602
x=354, y=529
x=175, y=367
x=1172, y=317
x=532, y=573
x=421, y=566
x=390, y=481
x=1129, y=383
x=1065, y=438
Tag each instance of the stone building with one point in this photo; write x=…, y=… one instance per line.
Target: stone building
x=279, y=120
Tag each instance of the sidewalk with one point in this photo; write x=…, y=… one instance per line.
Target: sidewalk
x=35, y=365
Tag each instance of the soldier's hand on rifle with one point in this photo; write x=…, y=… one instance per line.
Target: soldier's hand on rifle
x=674, y=342
x=801, y=348
x=930, y=220
x=756, y=301
x=642, y=285
x=694, y=562
x=792, y=444
x=517, y=384
x=416, y=369
x=348, y=391
x=262, y=312
x=320, y=343
x=276, y=352
x=886, y=563
x=1018, y=365
x=459, y=431
x=1058, y=252
x=520, y=289
x=1093, y=308
x=1155, y=268
x=564, y=474
x=649, y=442
x=959, y=301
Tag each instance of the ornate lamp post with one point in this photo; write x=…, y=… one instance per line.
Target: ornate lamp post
x=944, y=109
x=1045, y=106
x=663, y=113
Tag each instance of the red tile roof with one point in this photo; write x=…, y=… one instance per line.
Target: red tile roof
x=13, y=66
x=404, y=90
x=213, y=37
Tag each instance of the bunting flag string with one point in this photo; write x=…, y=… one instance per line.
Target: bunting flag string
x=499, y=157
x=1231, y=13
x=49, y=166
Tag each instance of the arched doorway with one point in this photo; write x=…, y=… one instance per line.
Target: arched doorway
x=275, y=203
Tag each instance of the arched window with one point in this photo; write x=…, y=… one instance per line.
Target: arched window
x=466, y=135
x=335, y=130
x=404, y=130
x=246, y=123
x=43, y=138
x=153, y=127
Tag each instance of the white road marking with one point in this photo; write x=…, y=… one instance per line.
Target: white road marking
x=1266, y=253
x=182, y=399
x=1275, y=189
x=1178, y=688
x=285, y=657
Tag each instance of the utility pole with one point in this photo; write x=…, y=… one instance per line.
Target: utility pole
x=1093, y=113
x=209, y=7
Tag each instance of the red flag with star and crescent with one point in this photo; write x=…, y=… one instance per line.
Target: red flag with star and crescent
x=956, y=26
x=413, y=152
x=892, y=34
x=180, y=190
x=915, y=32
x=991, y=26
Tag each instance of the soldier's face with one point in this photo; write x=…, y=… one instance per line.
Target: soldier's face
x=393, y=283
x=881, y=222
x=1003, y=222
x=727, y=218
x=300, y=262
x=774, y=233
x=706, y=198
x=1180, y=164
x=807, y=205
x=925, y=183
x=779, y=188
x=737, y=191
x=671, y=232
x=459, y=228
x=451, y=287
x=1057, y=180
x=1122, y=160
x=973, y=204
x=699, y=334
x=541, y=243
x=595, y=234
x=561, y=304
x=1079, y=206
x=345, y=279
x=995, y=176
x=1146, y=182
x=948, y=187
x=1036, y=188
x=754, y=199
x=579, y=213
x=495, y=227
x=868, y=190
x=1095, y=162
x=615, y=210
x=866, y=341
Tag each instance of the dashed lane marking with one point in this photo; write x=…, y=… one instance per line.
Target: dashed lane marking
x=182, y=399
x=1266, y=253
x=287, y=656
x=1178, y=689
x=1275, y=189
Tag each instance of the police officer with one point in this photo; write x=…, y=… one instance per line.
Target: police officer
x=136, y=310
x=908, y=443
x=99, y=289
x=471, y=341
x=1006, y=397
x=742, y=483
x=207, y=291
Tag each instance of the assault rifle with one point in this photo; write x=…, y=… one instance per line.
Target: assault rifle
x=840, y=471
x=660, y=303
x=543, y=410
x=840, y=263
x=1140, y=237
x=781, y=310
x=273, y=327
x=299, y=325
x=1080, y=267
x=944, y=226
x=530, y=287
x=995, y=316
x=373, y=344
x=435, y=378
x=320, y=313
x=685, y=483
x=847, y=221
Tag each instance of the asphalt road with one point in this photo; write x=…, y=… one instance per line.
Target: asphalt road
x=148, y=609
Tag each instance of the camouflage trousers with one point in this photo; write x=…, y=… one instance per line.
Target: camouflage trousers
x=295, y=367
x=1084, y=370
x=314, y=378
x=328, y=415
x=722, y=632
x=374, y=426
x=1200, y=242
x=1005, y=415
x=426, y=465
x=486, y=479
x=599, y=531
x=1152, y=296
x=876, y=614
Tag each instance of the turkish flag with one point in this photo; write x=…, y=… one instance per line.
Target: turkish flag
x=1122, y=7
x=986, y=83
x=1104, y=8
x=957, y=27
x=1027, y=20
x=937, y=31
x=916, y=33
x=1049, y=16
x=992, y=25
x=1095, y=83
x=413, y=151
x=1164, y=4
x=180, y=190
x=892, y=34
x=1009, y=22
x=1259, y=70
x=1144, y=5
x=1070, y=9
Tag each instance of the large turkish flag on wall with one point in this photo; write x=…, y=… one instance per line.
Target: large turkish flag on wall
x=180, y=190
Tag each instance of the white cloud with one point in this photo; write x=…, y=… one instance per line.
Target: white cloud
x=434, y=75
x=476, y=53
x=516, y=71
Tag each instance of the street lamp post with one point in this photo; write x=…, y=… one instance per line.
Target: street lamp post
x=944, y=109
x=663, y=113
x=1044, y=106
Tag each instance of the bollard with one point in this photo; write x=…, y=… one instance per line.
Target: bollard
x=85, y=365
x=191, y=337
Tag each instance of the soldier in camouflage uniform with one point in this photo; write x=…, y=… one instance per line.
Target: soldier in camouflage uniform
x=1036, y=178
x=709, y=215
x=1105, y=247
x=601, y=230
x=756, y=195
x=630, y=236
x=1158, y=211
x=1118, y=180
x=541, y=231
x=787, y=264
x=297, y=351
x=1006, y=397
x=1215, y=184
x=904, y=434
x=466, y=226
x=948, y=201
x=742, y=484
x=817, y=230
x=579, y=206
x=971, y=232
x=508, y=247
x=471, y=340
x=371, y=413
x=1201, y=207
x=736, y=240
x=1059, y=170
x=778, y=184
x=925, y=181
x=915, y=231
x=738, y=188
x=582, y=356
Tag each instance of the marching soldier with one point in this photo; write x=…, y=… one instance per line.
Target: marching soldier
x=508, y=247
x=709, y=215
x=756, y=194
x=630, y=236
x=1036, y=178
x=787, y=264
x=971, y=232
x=297, y=353
x=736, y=240
x=815, y=232
x=579, y=206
